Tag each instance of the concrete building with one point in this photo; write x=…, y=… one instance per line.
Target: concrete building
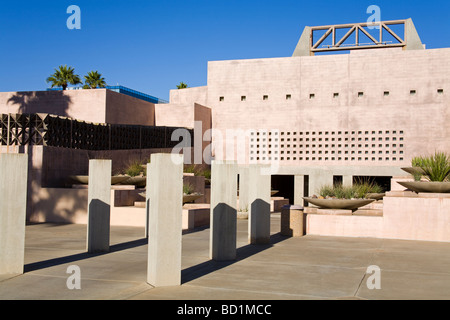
x=338, y=116
x=319, y=118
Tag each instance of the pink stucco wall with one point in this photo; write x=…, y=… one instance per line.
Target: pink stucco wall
x=93, y=105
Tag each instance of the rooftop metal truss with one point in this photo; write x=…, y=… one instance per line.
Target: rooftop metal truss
x=307, y=45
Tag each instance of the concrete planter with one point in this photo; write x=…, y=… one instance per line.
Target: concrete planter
x=85, y=179
x=414, y=170
x=139, y=182
x=375, y=196
x=426, y=186
x=242, y=215
x=191, y=197
x=344, y=204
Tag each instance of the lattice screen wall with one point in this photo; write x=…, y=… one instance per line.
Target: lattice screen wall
x=386, y=146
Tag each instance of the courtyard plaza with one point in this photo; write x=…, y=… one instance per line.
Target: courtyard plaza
x=289, y=268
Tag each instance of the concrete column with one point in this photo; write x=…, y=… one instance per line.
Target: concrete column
x=223, y=211
x=147, y=200
x=299, y=190
x=319, y=179
x=347, y=180
x=243, y=188
x=13, y=200
x=165, y=219
x=259, y=211
x=99, y=206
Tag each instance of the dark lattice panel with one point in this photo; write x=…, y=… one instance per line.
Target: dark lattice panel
x=48, y=130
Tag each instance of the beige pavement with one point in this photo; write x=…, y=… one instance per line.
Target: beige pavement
x=311, y=267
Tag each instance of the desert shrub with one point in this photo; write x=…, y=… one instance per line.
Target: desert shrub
x=188, y=188
x=356, y=191
x=135, y=168
x=436, y=167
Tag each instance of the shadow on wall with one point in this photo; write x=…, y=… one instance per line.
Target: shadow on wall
x=51, y=102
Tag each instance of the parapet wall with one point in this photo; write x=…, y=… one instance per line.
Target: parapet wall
x=406, y=216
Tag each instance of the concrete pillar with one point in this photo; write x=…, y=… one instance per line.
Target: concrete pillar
x=223, y=211
x=347, y=180
x=13, y=200
x=147, y=200
x=165, y=219
x=99, y=206
x=259, y=211
x=319, y=179
x=299, y=190
x=243, y=188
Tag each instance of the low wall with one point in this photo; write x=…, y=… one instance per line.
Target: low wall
x=406, y=216
x=69, y=205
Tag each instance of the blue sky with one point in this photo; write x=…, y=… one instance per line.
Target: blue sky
x=151, y=46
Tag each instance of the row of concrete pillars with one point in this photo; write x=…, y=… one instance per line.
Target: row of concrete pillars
x=164, y=206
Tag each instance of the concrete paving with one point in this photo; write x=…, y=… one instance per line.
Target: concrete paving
x=310, y=267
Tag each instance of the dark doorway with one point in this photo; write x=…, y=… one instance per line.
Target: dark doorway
x=383, y=182
x=285, y=186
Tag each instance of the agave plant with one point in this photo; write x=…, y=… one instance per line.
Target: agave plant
x=436, y=167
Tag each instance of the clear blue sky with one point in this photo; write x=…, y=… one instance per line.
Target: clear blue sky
x=151, y=46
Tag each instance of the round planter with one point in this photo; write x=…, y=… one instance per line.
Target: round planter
x=191, y=197
x=85, y=179
x=186, y=197
x=242, y=215
x=426, y=186
x=375, y=196
x=345, y=204
x=414, y=170
x=139, y=182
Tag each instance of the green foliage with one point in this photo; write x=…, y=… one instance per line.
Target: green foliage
x=198, y=170
x=135, y=169
x=188, y=188
x=190, y=169
x=94, y=80
x=436, y=167
x=63, y=76
x=182, y=85
x=357, y=191
x=418, y=161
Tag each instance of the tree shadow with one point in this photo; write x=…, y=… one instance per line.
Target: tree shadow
x=51, y=102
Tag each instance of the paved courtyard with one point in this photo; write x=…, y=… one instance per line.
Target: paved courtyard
x=311, y=267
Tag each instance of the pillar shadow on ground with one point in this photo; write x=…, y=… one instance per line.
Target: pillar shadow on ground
x=82, y=256
x=202, y=269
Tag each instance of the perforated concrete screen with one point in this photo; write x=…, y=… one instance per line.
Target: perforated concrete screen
x=328, y=146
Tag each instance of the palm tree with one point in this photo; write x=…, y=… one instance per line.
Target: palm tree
x=64, y=76
x=182, y=85
x=94, y=80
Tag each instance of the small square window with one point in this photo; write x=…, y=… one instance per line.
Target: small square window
x=312, y=96
x=288, y=97
x=335, y=95
x=412, y=92
x=386, y=93
x=221, y=99
x=243, y=98
x=360, y=94
x=265, y=97
x=440, y=91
